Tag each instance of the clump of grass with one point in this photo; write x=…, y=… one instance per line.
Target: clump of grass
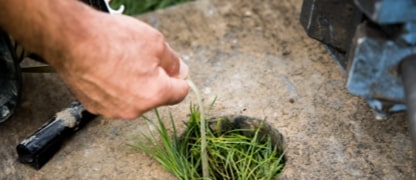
x=231, y=154
x=134, y=7
x=168, y=151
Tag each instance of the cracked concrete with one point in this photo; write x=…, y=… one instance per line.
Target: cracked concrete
x=255, y=57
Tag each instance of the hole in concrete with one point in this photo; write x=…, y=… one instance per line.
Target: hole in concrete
x=231, y=139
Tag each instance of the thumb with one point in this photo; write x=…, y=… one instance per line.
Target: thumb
x=176, y=91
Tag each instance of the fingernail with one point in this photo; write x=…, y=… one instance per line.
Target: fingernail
x=183, y=70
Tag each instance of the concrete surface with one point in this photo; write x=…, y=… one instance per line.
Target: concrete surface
x=255, y=57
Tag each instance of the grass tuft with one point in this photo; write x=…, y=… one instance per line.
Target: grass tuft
x=231, y=155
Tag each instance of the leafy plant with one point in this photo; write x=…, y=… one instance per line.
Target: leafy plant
x=231, y=154
x=134, y=7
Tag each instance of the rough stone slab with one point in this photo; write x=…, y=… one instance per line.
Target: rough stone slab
x=255, y=57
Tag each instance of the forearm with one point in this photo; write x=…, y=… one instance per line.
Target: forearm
x=115, y=65
x=47, y=27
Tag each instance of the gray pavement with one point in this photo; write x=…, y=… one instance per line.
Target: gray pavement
x=255, y=57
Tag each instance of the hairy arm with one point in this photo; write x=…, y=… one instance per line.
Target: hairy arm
x=115, y=65
x=47, y=27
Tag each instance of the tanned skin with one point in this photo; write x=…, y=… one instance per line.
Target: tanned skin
x=116, y=66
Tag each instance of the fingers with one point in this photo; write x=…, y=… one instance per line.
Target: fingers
x=176, y=91
x=173, y=91
x=172, y=64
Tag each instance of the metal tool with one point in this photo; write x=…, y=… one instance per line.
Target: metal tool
x=369, y=39
x=374, y=41
x=10, y=78
x=408, y=73
x=39, y=147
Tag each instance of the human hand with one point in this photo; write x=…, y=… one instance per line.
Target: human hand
x=122, y=68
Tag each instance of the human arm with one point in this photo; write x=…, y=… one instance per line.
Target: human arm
x=115, y=65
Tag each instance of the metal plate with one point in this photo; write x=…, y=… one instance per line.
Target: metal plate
x=373, y=72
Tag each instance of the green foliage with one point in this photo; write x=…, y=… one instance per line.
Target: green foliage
x=134, y=7
x=231, y=155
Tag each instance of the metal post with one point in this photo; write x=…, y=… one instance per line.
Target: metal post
x=408, y=72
